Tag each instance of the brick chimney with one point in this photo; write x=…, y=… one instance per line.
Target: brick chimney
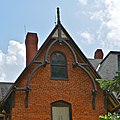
x=31, y=46
x=98, y=54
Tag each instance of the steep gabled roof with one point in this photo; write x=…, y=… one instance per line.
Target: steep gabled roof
x=59, y=32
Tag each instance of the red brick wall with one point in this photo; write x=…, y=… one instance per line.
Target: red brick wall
x=76, y=90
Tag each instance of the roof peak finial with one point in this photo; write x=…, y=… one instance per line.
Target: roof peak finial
x=58, y=15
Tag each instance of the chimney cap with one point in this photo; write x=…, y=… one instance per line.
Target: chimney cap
x=31, y=34
x=31, y=37
x=98, y=54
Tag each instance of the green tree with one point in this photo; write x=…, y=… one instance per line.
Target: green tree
x=111, y=85
x=109, y=116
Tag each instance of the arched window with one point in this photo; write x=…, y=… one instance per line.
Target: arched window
x=58, y=66
x=61, y=110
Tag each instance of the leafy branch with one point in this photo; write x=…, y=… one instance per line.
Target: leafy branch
x=110, y=85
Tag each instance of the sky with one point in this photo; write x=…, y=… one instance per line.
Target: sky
x=93, y=24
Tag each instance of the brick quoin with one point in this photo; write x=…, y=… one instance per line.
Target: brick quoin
x=76, y=90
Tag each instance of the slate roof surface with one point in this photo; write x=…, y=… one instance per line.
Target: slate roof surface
x=4, y=87
x=95, y=62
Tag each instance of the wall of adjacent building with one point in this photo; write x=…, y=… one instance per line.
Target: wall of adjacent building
x=109, y=67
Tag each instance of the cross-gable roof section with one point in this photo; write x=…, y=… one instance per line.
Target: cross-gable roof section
x=59, y=34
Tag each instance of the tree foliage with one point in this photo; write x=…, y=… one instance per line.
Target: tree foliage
x=110, y=85
x=109, y=116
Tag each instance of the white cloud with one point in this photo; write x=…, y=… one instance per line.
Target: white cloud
x=83, y=2
x=86, y=37
x=12, y=62
x=113, y=24
x=105, y=15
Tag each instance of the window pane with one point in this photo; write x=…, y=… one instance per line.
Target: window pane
x=60, y=113
x=58, y=66
x=58, y=71
x=58, y=58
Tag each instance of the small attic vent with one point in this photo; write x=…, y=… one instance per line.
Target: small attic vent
x=63, y=35
x=55, y=35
